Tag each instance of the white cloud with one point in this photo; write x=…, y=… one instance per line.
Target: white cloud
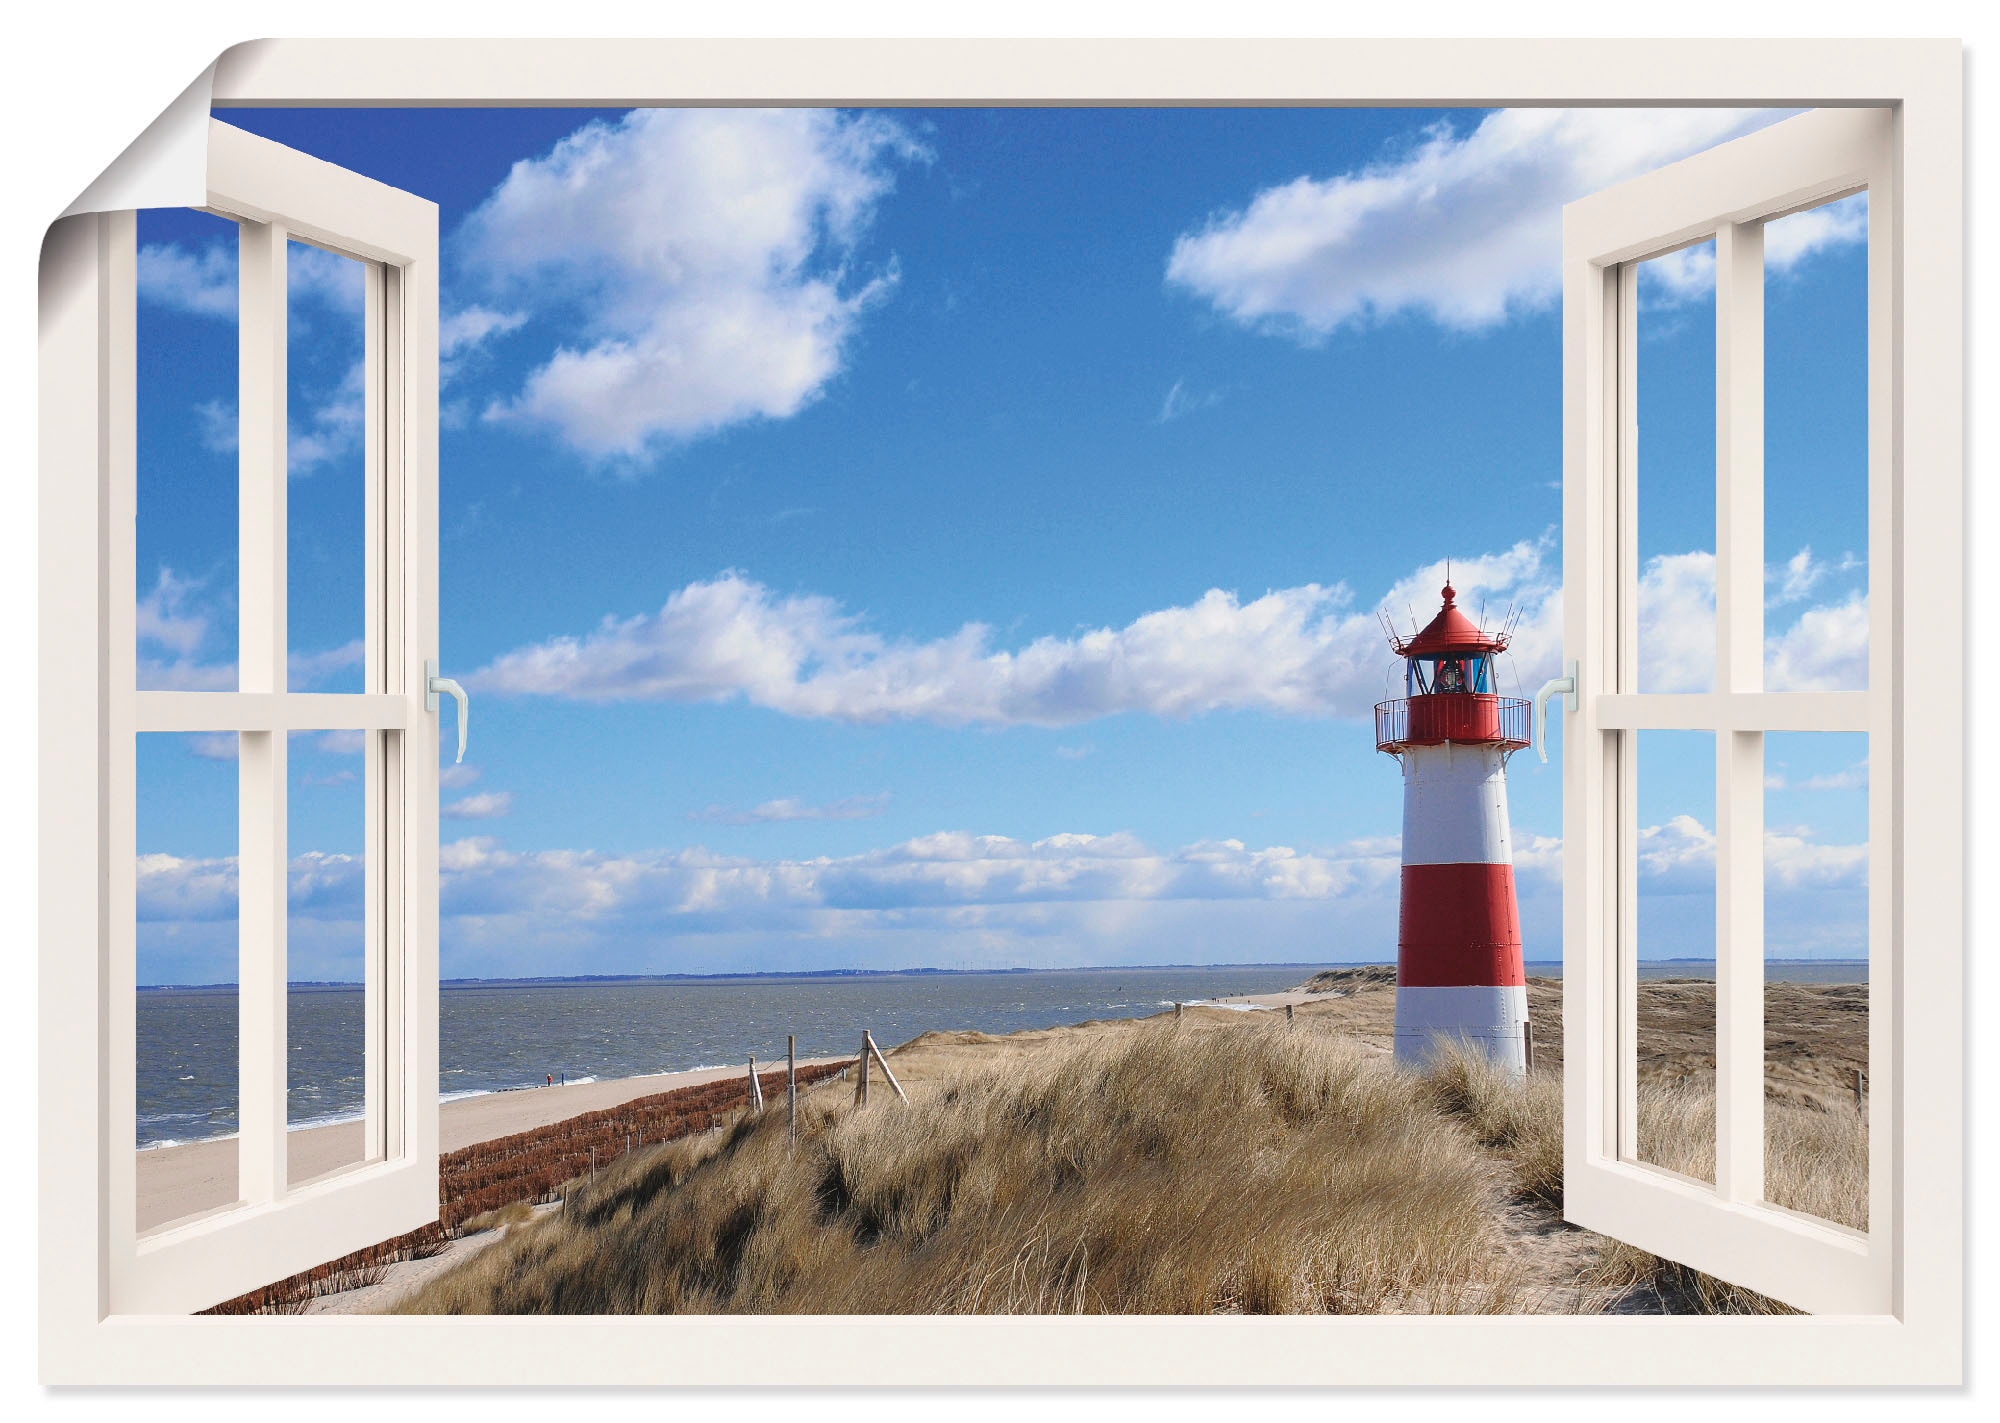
x=857, y=807
x=200, y=282
x=1679, y=857
x=169, y=622
x=483, y=805
x=163, y=618
x=214, y=745
x=1677, y=623
x=342, y=743
x=330, y=428
x=457, y=777
x=1789, y=240
x=707, y=253
x=472, y=326
x=1181, y=401
x=1824, y=649
x=1304, y=651
x=1855, y=777
x=463, y=336
x=308, y=669
x=1462, y=228
x=958, y=897
x=215, y=422
x=1800, y=574
x=946, y=870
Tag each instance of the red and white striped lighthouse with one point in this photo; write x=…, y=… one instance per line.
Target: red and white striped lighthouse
x=1458, y=949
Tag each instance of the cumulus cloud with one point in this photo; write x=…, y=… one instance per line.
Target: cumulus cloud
x=1824, y=648
x=961, y=897
x=1463, y=227
x=1678, y=856
x=1305, y=651
x=708, y=256
x=948, y=869
x=857, y=807
x=173, y=625
x=179, y=889
x=200, y=282
x=482, y=805
x=329, y=428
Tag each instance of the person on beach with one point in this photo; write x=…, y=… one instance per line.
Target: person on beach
x=549, y=1080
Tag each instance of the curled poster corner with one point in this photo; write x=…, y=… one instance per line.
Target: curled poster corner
x=166, y=166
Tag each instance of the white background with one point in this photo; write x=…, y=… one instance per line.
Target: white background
x=81, y=81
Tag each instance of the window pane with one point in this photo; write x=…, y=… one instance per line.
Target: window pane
x=326, y=548
x=1816, y=448
x=187, y=913
x=186, y=478
x=1675, y=912
x=1816, y=974
x=326, y=953
x=1674, y=389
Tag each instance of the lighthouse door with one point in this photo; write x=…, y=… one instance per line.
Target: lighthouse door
x=1726, y=1226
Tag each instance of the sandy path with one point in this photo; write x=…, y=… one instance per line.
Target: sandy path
x=179, y=1181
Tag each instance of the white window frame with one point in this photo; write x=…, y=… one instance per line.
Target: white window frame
x=1726, y=195
x=1919, y=1340
x=277, y=195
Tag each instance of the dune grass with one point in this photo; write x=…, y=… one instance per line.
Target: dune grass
x=1162, y=1171
x=1156, y=1169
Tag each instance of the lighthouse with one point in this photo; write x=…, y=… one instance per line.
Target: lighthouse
x=1458, y=942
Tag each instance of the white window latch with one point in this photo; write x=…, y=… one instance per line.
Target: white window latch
x=433, y=684
x=1564, y=685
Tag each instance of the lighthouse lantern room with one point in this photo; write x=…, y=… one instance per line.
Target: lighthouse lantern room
x=1459, y=969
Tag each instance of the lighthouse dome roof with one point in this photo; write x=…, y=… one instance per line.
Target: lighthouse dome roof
x=1451, y=631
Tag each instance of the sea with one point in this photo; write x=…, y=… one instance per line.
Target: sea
x=503, y=1035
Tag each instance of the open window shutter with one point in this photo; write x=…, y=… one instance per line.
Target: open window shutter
x=1727, y=194
x=278, y=196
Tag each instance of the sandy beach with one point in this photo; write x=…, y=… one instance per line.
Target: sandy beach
x=180, y=1181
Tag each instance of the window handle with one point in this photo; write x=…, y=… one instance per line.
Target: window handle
x=1564, y=685
x=433, y=684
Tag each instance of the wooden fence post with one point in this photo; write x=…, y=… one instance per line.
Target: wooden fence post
x=1860, y=1088
x=791, y=1087
x=1177, y=1012
x=1288, y=1015
x=1528, y=1040
x=861, y=1086
x=868, y=1040
x=756, y=1087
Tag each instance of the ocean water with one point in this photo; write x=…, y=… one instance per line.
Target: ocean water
x=495, y=1037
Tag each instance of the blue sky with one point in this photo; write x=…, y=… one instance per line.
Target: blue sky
x=955, y=537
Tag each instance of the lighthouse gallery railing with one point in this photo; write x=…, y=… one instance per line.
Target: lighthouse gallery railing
x=1464, y=717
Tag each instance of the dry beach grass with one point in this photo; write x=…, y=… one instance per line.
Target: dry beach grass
x=1221, y=1163
x=1175, y=1169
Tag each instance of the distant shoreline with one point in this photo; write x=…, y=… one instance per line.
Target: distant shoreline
x=1549, y=968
